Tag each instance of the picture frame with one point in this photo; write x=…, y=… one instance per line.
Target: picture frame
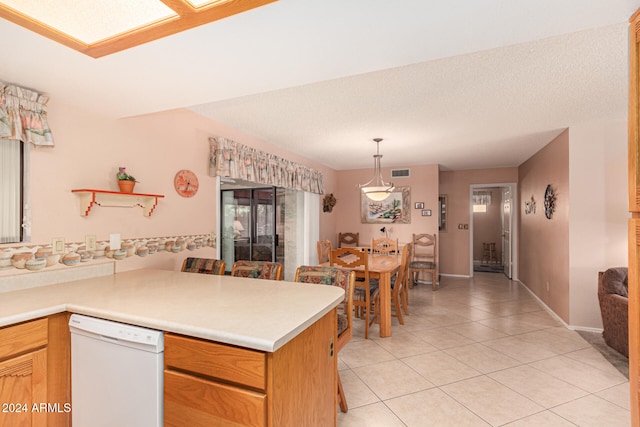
x=426, y=212
x=394, y=209
x=419, y=205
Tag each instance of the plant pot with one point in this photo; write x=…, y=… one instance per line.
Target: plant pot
x=126, y=186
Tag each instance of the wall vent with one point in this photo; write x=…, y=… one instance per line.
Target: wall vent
x=400, y=173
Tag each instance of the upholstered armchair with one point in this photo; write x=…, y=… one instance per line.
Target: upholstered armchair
x=613, y=298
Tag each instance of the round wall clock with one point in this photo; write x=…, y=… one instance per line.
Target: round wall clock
x=549, y=202
x=186, y=183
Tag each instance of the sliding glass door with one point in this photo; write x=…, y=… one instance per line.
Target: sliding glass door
x=266, y=223
x=250, y=230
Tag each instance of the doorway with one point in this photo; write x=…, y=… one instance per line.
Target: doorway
x=492, y=229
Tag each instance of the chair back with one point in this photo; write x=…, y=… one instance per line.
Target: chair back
x=384, y=246
x=324, y=251
x=333, y=276
x=351, y=258
x=257, y=269
x=204, y=266
x=424, y=247
x=348, y=239
x=425, y=258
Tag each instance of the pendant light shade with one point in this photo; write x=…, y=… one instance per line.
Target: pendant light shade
x=376, y=189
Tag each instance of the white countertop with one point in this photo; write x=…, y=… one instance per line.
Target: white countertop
x=258, y=314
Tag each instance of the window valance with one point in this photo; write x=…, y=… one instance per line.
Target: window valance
x=233, y=160
x=482, y=198
x=23, y=115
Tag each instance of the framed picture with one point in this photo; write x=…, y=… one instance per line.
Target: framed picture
x=394, y=209
x=426, y=212
x=419, y=205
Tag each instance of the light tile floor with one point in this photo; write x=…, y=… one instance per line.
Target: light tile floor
x=478, y=352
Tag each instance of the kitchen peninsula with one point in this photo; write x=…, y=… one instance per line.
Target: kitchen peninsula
x=237, y=351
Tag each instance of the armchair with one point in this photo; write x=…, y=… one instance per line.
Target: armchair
x=613, y=298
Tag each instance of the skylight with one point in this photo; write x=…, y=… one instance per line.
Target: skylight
x=102, y=27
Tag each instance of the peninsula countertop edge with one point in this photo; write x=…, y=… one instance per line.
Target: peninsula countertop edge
x=257, y=314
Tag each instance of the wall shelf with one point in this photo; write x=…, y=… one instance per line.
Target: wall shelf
x=105, y=198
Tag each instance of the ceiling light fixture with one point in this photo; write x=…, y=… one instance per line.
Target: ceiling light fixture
x=376, y=189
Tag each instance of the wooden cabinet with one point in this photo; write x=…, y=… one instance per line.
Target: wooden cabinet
x=634, y=222
x=212, y=384
x=23, y=374
x=35, y=373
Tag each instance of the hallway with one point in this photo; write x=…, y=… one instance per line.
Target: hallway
x=478, y=352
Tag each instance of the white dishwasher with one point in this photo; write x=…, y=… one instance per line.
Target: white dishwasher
x=116, y=374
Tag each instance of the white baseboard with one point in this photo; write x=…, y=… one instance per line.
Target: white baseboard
x=555, y=316
x=585, y=329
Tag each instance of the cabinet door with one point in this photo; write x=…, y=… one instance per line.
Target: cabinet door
x=634, y=222
x=23, y=387
x=634, y=114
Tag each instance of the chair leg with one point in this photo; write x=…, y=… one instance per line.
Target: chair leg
x=367, y=313
x=404, y=295
x=342, y=399
x=376, y=310
x=396, y=303
x=434, y=279
x=405, y=301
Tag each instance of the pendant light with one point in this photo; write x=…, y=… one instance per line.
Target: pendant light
x=376, y=189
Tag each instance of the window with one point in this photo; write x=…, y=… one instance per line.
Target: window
x=12, y=195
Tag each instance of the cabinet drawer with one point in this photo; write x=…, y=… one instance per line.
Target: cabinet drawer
x=224, y=362
x=21, y=338
x=191, y=401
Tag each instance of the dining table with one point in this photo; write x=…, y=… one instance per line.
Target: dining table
x=382, y=268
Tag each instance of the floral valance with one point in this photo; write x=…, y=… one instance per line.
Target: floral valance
x=233, y=160
x=23, y=115
x=482, y=198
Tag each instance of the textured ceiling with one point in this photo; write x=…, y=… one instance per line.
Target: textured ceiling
x=464, y=84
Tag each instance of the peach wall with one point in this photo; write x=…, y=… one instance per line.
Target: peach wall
x=544, y=243
x=598, y=215
x=454, y=243
x=487, y=226
x=153, y=147
x=423, y=182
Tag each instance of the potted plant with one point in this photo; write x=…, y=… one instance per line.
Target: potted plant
x=125, y=181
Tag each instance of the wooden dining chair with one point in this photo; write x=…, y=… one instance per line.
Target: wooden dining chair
x=425, y=259
x=384, y=246
x=348, y=239
x=335, y=276
x=399, y=284
x=257, y=269
x=324, y=251
x=352, y=258
x=203, y=265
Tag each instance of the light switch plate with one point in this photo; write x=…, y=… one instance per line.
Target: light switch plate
x=57, y=245
x=114, y=241
x=90, y=242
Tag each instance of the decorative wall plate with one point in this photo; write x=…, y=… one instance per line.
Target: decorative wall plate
x=549, y=202
x=186, y=183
